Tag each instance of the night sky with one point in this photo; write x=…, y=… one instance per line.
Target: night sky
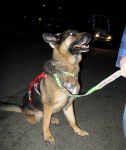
x=71, y=13
x=71, y=9
x=16, y=10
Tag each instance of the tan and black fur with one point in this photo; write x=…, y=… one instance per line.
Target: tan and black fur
x=67, y=49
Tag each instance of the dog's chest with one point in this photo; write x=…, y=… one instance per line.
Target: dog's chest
x=60, y=102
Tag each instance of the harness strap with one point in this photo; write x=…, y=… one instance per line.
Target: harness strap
x=34, y=83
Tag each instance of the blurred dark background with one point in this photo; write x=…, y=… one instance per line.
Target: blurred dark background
x=35, y=17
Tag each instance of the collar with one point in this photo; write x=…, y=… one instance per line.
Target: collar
x=69, y=73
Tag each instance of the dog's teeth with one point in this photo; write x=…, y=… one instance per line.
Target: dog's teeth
x=81, y=46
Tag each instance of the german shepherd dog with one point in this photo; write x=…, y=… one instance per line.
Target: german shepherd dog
x=49, y=98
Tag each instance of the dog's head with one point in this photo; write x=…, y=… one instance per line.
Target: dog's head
x=69, y=41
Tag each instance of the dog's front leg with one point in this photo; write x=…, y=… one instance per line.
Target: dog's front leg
x=70, y=101
x=69, y=113
x=46, y=123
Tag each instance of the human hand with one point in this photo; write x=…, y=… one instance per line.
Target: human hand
x=123, y=66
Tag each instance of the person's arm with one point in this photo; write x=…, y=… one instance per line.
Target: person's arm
x=123, y=66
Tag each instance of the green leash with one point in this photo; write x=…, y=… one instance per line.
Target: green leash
x=97, y=87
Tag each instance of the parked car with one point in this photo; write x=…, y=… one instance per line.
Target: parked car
x=101, y=35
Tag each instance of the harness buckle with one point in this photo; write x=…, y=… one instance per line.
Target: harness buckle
x=36, y=88
x=29, y=94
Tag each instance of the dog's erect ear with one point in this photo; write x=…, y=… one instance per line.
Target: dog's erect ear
x=52, y=39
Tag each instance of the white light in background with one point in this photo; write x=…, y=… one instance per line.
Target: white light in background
x=39, y=19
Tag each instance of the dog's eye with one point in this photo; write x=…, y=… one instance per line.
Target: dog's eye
x=72, y=33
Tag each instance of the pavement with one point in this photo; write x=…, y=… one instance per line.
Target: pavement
x=100, y=113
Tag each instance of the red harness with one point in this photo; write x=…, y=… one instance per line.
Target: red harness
x=34, y=83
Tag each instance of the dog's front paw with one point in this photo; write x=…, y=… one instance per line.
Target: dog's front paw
x=49, y=138
x=80, y=132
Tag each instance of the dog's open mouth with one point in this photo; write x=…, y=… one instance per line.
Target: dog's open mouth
x=81, y=48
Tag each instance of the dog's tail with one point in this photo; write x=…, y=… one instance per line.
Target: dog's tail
x=10, y=107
